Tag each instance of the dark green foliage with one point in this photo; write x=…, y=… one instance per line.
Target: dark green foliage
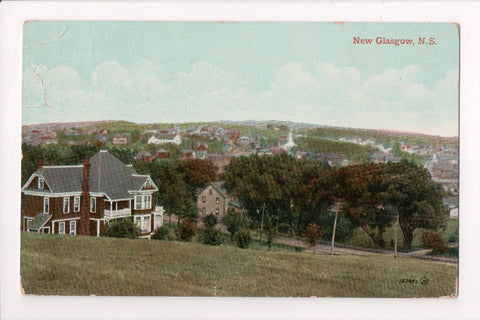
x=344, y=230
x=281, y=187
x=123, y=228
x=351, y=151
x=210, y=236
x=242, y=238
x=209, y=221
x=160, y=233
x=234, y=221
x=186, y=230
x=416, y=198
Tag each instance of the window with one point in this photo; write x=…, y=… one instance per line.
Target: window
x=46, y=230
x=143, y=202
x=114, y=205
x=204, y=199
x=218, y=200
x=93, y=204
x=40, y=183
x=73, y=227
x=143, y=222
x=210, y=192
x=66, y=204
x=147, y=200
x=61, y=228
x=76, y=204
x=217, y=211
x=204, y=210
x=146, y=224
x=138, y=202
x=46, y=202
x=29, y=224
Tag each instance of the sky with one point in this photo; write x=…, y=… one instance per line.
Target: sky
x=307, y=72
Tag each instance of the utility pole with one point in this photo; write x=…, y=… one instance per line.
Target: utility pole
x=395, y=237
x=336, y=208
x=261, y=224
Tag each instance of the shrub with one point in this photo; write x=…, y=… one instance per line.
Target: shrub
x=186, y=230
x=123, y=228
x=312, y=234
x=242, y=238
x=433, y=241
x=210, y=236
x=161, y=233
x=209, y=221
x=234, y=221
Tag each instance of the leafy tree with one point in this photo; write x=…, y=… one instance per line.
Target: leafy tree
x=433, y=241
x=198, y=172
x=123, y=228
x=276, y=188
x=417, y=198
x=364, y=192
x=234, y=221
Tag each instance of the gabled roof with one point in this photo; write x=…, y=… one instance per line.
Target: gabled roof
x=219, y=186
x=39, y=221
x=108, y=175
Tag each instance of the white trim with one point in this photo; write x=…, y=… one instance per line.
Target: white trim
x=66, y=219
x=41, y=231
x=65, y=166
x=139, y=192
x=59, y=224
x=68, y=204
x=94, y=201
x=125, y=199
x=48, y=205
x=29, y=180
x=41, y=179
x=51, y=194
x=151, y=181
x=70, y=227
x=79, y=203
x=140, y=175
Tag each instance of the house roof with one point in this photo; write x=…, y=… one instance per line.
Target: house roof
x=107, y=175
x=219, y=186
x=39, y=221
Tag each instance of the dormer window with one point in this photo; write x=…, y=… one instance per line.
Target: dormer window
x=40, y=183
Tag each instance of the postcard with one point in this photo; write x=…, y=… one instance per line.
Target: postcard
x=240, y=159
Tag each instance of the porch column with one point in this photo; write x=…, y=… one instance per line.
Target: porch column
x=98, y=228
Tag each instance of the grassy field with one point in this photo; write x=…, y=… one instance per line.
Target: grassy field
x=68, y=265
x=361, y=240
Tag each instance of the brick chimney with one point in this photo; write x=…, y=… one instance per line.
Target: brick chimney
x=85, y=204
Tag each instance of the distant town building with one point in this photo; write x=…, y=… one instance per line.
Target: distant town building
x=161, y=138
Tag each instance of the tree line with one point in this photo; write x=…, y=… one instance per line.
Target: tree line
x=282, y=192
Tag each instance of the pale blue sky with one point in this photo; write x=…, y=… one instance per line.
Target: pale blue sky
x=205, y=71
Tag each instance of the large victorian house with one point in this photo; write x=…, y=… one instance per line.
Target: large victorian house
x=83, y=199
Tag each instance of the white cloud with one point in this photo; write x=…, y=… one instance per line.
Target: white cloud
x=328, y=94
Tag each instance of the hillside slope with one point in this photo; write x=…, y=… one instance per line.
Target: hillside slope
x=67, y=265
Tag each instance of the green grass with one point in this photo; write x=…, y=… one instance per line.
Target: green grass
x=75, y=265
x=360, y=238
